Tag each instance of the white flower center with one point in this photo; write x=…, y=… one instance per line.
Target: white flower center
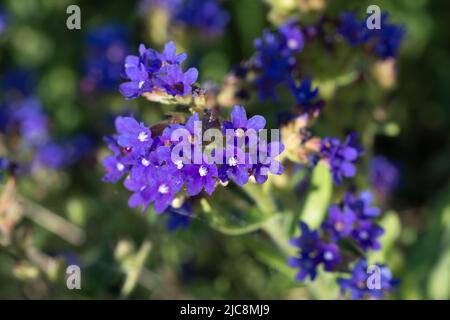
x=120, y=166
x=328, y=256
x=292, y=44
x=143, y=136
x=232, y=161
x=145, y=162
x=141, y=84
x=179, y=164
x=163, y=189
x=203, y=171
x=240, y=133
x=364, y=235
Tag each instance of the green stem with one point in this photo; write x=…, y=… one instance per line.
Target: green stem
x=263, y=200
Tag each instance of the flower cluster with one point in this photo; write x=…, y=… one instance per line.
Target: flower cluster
x=207, y=16
x=26, y=126
x=275, y=59
x=106, y=48
x=157, y=167
x=348, y=227
x=358, y=284
x=384, y=42
x=152, y=70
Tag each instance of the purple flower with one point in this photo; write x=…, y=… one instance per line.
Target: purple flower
x=272, y=65
x=199, y=177
x=361, y=205
x=387, y=39
x=157, y=185
x=339, y=222
x=275, y=58
x=384, y=176
x=366, y=234
x=206, y=15
x=354, y=31
x=306, y=264
x=268, y=163
x=138, y=183
x=133, y=135
x=52, y=155
x=169, y=54
x=176, y=83
x=106, y=47
x=179, y=218
x=239, y=120
x=341, y=156
x=293, y=37
x=235, y=166
x=115, y=169
x=308, y=239
x=139, y=77
x=32, y=121
x=328, y=255
x=152, y=70
x=358, y=286
x=305, y=96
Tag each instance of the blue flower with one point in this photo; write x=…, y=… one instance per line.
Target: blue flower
x=366, y=234
x=139, y=79
x=106, y=47
x=384, y=176
x=179, y=218
x=306, y=264
x=239, y=121
x=308, y=239
x=268, y=163
x=158, y=185
x=329, y=255
x=205, y=15
x=358, y=287
x=176, y=83
x=353, y=30
x=293, y=38
x=387, y=40
x=339, y=222
x=341, y=156
x=384, y=42
x=361, y=205
x=235, y=166
x=32, y=121
x=152, y=70
x=170, y=56
x=133, y=135
x=115, y=169
x=199, y=177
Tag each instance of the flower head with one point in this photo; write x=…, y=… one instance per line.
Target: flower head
x=358, y=285
x=366, y=234
x=339, y=222
x=133, y=135
x=341, y=156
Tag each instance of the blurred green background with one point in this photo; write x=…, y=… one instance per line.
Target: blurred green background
x=124, y=253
